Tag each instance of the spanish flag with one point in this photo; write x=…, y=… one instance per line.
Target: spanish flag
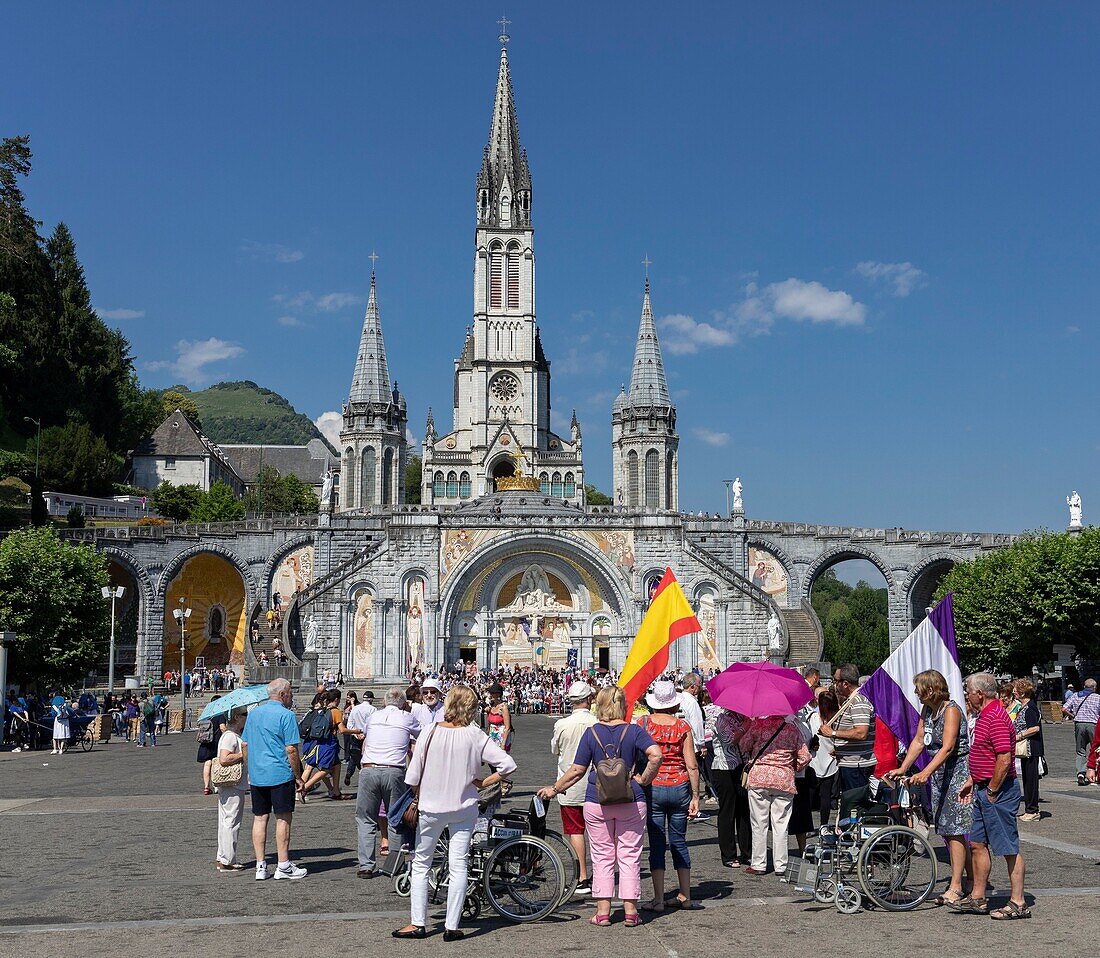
x=669, y=617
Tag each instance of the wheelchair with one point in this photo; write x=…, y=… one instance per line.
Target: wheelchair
x=521, y=877
x=878, y=856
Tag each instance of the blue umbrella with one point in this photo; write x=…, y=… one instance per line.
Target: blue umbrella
x=237, y=699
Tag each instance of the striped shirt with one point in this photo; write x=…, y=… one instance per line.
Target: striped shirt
x=993, y=735
x=1086, y=709
x=850, y=753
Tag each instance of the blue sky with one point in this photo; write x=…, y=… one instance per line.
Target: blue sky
x=873, y=226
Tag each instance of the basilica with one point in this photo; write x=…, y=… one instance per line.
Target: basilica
x=503, y=561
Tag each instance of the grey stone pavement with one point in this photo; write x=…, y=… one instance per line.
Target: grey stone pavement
x=113, y=851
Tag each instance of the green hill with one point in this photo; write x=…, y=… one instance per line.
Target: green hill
x=243, y=412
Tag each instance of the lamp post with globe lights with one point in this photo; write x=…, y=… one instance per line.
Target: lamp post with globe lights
x=182, y=614
x=114, y=594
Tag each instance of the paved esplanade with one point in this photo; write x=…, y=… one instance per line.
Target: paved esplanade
x=111, y=850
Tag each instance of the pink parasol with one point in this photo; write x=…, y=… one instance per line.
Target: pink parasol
x=757, y=689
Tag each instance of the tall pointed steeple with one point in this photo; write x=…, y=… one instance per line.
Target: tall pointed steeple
x=371, y=380
x=504, y=183
x=648, y=383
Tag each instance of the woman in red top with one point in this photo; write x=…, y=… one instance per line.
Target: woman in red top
x=674, y=795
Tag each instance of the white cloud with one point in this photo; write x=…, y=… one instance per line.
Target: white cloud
x=121, y=313
x=329, y=424
x=902, y=278
x=711, y=437
x=270, y=252
x=291, y=322
x=331, y=302
x=305, y=301
x=193, y=356
x=800, y=300
x=682, y=334
x=1073, y=330
x=577, y=361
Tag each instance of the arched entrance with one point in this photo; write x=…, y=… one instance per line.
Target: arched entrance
x=213, y=588
x=850, y=594
x=923, y=584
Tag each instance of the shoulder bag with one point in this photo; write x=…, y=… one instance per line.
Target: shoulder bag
x=226, y=776
x=747, y=767
x=411, y=816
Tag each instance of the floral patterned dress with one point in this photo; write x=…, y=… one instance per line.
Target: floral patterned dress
x=952, y=817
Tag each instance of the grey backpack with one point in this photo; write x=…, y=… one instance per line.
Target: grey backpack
x=613, y=774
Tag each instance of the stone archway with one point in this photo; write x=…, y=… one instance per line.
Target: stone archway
x=212, y=587
x=923, y=582
x=831, y=558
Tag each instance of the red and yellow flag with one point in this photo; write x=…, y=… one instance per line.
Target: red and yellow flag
x=669, y=617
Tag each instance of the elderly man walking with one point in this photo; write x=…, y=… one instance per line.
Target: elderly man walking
x=568, y=732
x=387, y=735
x=995, y=794
x=1084, y=709
x=271, y=742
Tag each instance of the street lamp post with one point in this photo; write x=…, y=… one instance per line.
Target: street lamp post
x=37, y=442
x=113, y=594
x=729, y=504
x=182, y=614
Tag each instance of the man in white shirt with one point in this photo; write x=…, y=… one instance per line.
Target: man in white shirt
x=693, y=715
x=568, y=732
x=387, y=735
x=429, y=709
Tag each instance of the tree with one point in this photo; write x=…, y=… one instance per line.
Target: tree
x=177, y=398
x=594, y=497
x=281, y=495
x=175, y=502
x=855, y=621
x=50, y=597
x=75, y=459
x=1012, y=605
x=218, y=505
x=414, y=477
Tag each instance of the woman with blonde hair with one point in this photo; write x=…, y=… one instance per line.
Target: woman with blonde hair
x=445, y=773
x=230, y=752
x=615, y=829
x=942, y=731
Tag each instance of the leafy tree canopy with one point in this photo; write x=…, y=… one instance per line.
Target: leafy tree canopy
x=414, y=476
x=175, y=502
x=1013, y=605
x=218, y=505
x=855, y=621
x=50, y=598
x=75, y=459
x=179, y=398
x=280, y=494
x=596, y=498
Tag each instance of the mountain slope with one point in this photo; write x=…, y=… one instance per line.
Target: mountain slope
x=242, y=412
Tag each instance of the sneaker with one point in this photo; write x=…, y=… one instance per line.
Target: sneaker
x=701, y=817
x=1082, y=780
x=1030, y=817
x=16, y=749
x=289, y=870
x=261, y=871
x=583, y=889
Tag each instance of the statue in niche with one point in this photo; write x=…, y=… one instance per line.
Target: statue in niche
x=775, y=635
x=326, y=491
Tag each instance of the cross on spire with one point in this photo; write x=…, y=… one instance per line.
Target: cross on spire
x=647, y=262
x=504, y=38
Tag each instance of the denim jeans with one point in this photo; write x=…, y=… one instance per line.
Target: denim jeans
x=666, y=824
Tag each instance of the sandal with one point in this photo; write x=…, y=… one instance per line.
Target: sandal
x=632, y=921
x=1010, y=912
x=654, y=905
x=601, y=920
x=970, y=906
x=942, y=900
x=686, y=904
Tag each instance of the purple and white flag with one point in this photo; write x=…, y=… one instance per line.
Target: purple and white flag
x=931, y=645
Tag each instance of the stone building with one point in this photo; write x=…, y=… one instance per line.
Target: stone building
x=504, y=562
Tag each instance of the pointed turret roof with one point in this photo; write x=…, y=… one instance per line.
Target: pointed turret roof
x=648, y=384
x=504, y=158
x=371, y=381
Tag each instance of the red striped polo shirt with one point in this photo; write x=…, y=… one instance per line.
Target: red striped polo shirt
x=993, y=735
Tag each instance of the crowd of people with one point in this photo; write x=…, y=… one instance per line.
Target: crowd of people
x=201, y=679
x=771, y=777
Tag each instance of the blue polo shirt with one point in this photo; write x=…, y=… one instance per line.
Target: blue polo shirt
x=269, y=729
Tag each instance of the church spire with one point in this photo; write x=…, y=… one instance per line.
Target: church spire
x=504, y=183
x=648, y=383
x=371, y=381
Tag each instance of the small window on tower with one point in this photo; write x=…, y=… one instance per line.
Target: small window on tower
x=513, y=280
x=496, y=267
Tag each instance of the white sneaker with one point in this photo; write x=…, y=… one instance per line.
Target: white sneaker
x=17, y=749
x=261, y=871
x=290, y=870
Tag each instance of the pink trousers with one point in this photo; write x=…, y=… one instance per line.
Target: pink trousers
x=616, y=835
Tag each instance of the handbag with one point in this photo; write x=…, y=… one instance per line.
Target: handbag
x=613, y=774
x=1023, y=748
x=747, y=767
x=1043, y=767
x=410, y=818
x=224, y=776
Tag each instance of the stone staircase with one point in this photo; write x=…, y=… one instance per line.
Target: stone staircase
x=807, y=642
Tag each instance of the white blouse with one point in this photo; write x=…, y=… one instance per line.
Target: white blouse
x=454, y=761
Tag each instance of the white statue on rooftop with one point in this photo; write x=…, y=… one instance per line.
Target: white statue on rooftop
x=1073, y=500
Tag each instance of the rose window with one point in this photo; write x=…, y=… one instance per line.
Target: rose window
x=504, y=388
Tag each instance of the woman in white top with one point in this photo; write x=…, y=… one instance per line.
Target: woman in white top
x=231, y=797
x=823, y=764
x=445, y=771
